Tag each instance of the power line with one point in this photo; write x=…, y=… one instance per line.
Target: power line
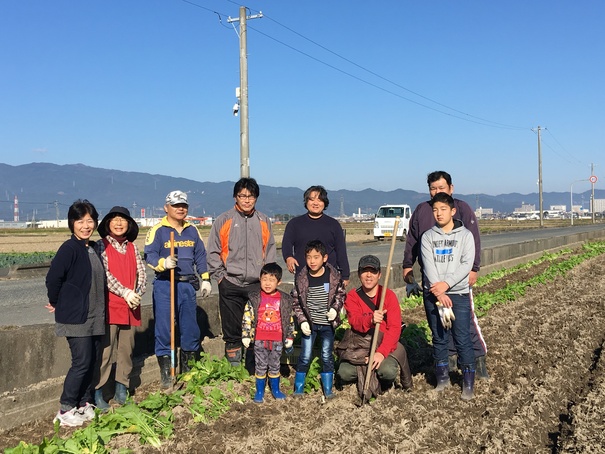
x=382, y=88
x=389, y=80
x=555, y=151
x=459, y=114
x=562, y=147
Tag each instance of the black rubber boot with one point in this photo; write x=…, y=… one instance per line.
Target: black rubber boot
x=442, y=374
x=468, y=382
x=165, y=378
x=186, y=358
x=481, y=368
x=233, y=353
x=249, y=361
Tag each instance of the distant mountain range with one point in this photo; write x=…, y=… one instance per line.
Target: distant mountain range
x=47, y=190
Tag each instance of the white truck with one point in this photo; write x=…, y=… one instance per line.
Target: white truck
x=385, y=221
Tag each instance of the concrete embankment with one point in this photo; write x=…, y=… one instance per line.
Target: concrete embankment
x=34, y=361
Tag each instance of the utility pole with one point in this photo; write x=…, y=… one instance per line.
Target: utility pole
x=243, y=78
x=540, y=178
x=57, y=212
x=593, y=180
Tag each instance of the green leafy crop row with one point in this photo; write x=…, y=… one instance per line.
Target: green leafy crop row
x=31, y=258
x=151, y=419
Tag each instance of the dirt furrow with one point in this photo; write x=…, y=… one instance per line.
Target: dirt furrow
x=546, y=394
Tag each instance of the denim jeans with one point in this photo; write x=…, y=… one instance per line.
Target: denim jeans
x=326, y=335
x=78, y=387
x=460, y=330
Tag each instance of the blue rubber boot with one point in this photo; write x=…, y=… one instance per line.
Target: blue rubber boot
x=120, y=394
x=299, y=384
x=468, y=382
x=442, y=373
x=274, y=385
x=260, y=390
x=99, y=401
x=327, y=380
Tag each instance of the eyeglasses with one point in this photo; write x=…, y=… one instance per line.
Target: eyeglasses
x=117, y=220
x=246, y=196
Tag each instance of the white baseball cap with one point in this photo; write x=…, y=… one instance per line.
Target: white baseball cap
x=176, y=197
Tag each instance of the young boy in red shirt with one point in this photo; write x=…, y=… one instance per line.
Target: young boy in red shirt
x=268, y=322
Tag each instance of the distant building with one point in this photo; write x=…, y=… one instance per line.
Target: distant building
x=558, y=208
x=361, y=217
x=14, y=224
x=483, y=213
x=525, y=208
x=599, y=205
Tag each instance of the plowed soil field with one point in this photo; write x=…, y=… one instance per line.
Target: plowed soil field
x=546, y=393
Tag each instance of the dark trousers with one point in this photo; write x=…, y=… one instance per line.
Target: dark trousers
x=461, y=305
x=78, y=386
x=479, y=345
x=231, y=302
x=185, y=308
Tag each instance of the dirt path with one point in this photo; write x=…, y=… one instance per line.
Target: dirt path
x=546, y=395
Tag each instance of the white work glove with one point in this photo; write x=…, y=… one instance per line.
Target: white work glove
x=288, y=344
x=246, y=341
x=447, y=316
x=331, y=314
x=206, y=288
x=305, y=328
x=132, y=298
x=170, y=262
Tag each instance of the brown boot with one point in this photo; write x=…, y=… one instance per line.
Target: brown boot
x=406, y=375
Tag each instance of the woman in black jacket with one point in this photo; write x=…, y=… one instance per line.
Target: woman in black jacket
x=76, y=294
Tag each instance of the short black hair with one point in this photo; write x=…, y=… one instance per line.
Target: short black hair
x=443, y=197
x=438, y=175
x=247, y=183
x=316, y=245
x=78, y=210
x=322, y=195
x=272, y=269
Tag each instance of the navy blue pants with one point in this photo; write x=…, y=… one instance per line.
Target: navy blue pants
x=479, y=344
x=185, y=308
x=461, y=305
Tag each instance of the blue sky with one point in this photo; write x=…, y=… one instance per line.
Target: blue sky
x=350, y=94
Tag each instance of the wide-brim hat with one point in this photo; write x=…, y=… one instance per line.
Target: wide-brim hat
x=133, y=228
